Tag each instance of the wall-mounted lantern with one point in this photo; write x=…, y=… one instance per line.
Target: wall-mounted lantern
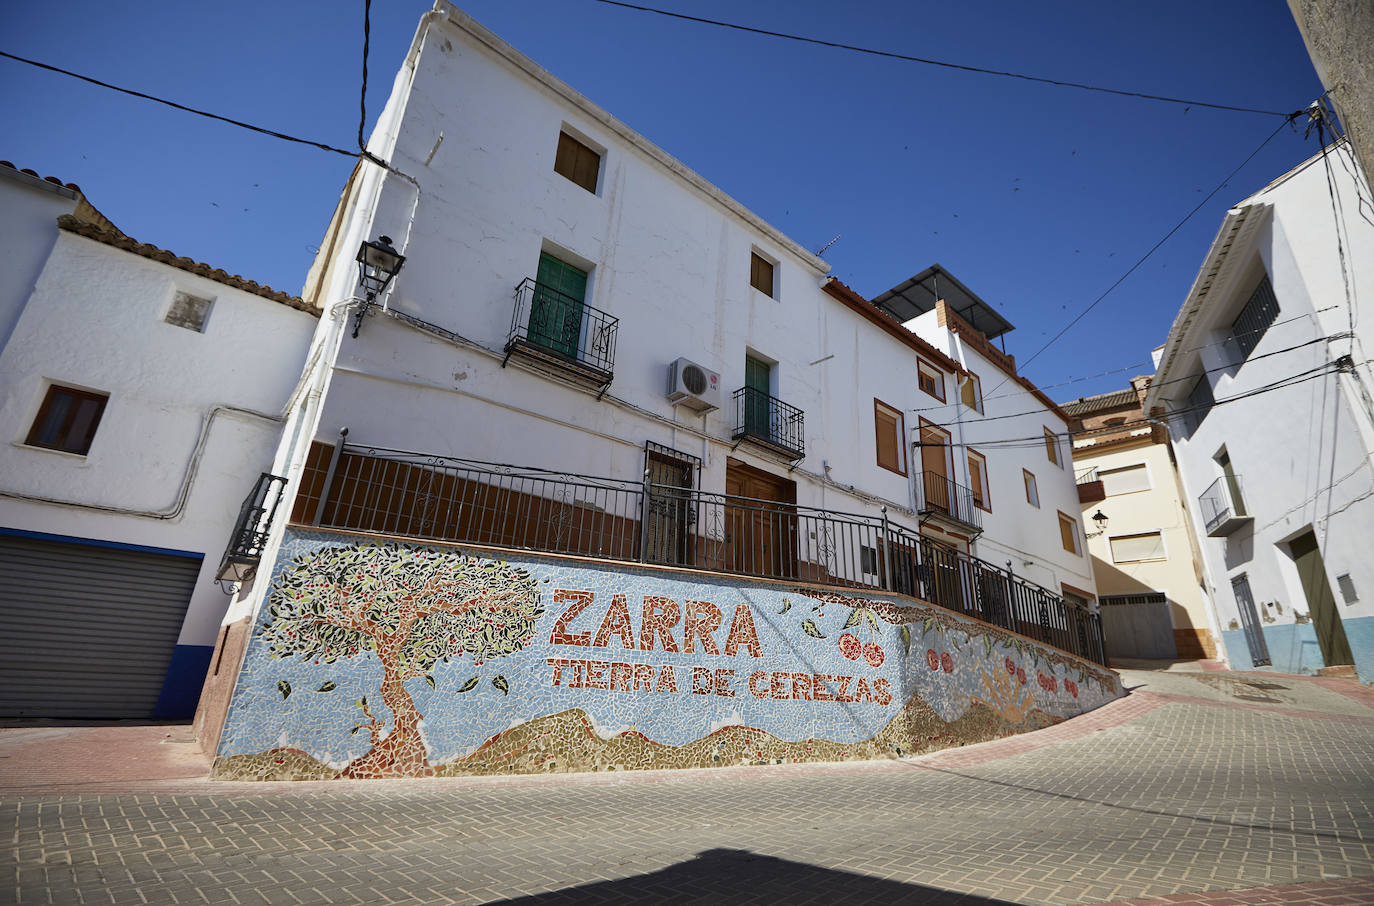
x=378, y=265
x=1099, y=520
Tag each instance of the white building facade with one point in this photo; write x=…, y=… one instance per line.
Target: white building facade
x=1266, y=379
x=580, y=317
x=1150, y=582
x=140, y=398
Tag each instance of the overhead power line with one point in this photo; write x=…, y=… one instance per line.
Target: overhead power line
x=1134, y=366
x=1167, y=236
x=173, y=104
x=1301, y=377
x=941, y=63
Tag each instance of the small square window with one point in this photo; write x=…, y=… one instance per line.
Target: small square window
x=761, y=274
x=188, y=311
x=972, y=393
x=868, y=559
x=67, y=420
x=930, y=379
x=1032, y=492
x=577, y=162
x=1052, y=447
x=1068, y=534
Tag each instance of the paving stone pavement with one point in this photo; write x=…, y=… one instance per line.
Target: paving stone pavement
x=1180, y=791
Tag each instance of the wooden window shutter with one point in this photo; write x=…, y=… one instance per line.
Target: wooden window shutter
x=1068, y=534
x=1052, y=446
x=577, y=162
x=975, y=480
x=888, y=437
x=761, y=274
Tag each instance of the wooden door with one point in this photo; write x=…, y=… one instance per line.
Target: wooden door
x=935, y=468
x=761, y=528
x=1320, y=601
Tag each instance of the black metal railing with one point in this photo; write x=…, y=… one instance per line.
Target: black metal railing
x=945, y=497
x=1086, y=476
x=252, y=529
x=1222, y=505
x=397, y=492
x=562, y=328
x=769, y=421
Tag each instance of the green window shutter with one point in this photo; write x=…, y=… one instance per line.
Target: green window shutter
x=562, y=277
x=756, y=374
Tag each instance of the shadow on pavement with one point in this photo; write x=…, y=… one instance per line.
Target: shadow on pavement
x=733, y=877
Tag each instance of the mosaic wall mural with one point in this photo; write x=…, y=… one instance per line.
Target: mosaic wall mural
x=383, y=659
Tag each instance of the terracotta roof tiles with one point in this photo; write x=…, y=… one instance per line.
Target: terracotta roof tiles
x=118, y=240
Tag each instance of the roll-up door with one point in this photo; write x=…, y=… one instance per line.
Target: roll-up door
x=87, y=630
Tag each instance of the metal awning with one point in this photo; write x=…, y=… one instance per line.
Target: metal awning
x=919, y=295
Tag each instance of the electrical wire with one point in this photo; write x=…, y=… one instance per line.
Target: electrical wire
x=1291, y=380
x=173, y=104
x=1167, y=236
x=1193, y=376
x=1135, y=366
x=362, y=95
x=941, y=63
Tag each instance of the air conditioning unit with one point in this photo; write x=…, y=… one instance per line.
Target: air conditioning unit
x=693, y=386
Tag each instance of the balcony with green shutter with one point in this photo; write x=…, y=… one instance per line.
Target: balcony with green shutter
x=555, y=331
x=768, y=422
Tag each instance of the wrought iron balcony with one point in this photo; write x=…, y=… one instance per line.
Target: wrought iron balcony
x=417, y=495
x=558, y=332
x=769, y=422
x=947, y=502
x=1223, y=508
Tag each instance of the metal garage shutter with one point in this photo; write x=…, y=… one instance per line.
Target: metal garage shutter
x=87, y=631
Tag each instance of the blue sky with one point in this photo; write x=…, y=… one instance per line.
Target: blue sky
x=1036, y=197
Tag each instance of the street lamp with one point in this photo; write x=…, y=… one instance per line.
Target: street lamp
x=378, y=264
x=1099, y=520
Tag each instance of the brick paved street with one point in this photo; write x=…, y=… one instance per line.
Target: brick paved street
x=1182, y=788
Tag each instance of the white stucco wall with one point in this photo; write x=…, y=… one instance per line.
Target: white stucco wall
x=1303, y=453
x=95, y=321
x=668, y=255
x=28, y=230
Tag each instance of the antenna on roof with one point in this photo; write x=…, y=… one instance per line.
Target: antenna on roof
x=821, y=251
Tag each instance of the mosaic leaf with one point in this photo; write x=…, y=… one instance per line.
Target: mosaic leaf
x=872, y=619
x=906, y=639
x=500, y=683
x=810, y=629
x=786, y=606
x=328, y=687
x=429, y=678
x=469, y=685
x=284, y=688
x=854, y=617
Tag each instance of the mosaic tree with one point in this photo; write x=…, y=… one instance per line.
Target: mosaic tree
x=411, y=608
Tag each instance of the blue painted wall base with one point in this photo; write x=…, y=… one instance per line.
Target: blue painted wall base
x=1294, y=648
x=185, y=677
